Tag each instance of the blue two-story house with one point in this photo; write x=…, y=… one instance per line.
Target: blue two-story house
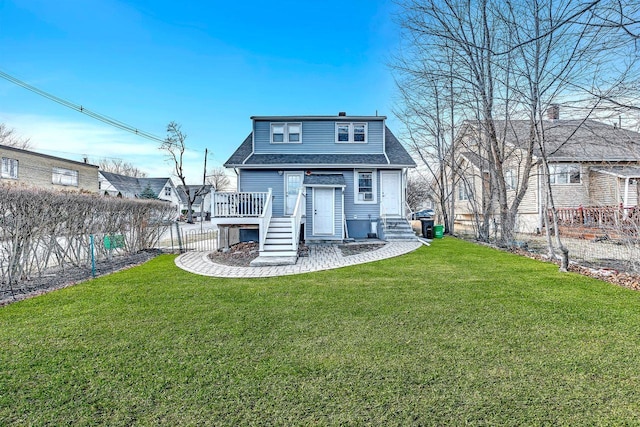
x=317, y=178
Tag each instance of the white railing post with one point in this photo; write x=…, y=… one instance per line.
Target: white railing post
x=296, y=219
x=265, y=219
x=236, y=205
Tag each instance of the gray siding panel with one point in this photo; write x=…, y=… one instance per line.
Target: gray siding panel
x=337, y=220
x=258, y=181
x=359, y=211
x=318, y=137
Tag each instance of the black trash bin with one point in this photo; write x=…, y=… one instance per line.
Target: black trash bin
x=427, y=227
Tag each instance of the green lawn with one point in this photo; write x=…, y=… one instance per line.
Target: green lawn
x=450, y=334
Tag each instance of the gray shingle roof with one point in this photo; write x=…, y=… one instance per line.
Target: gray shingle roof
x=396, y=154
x=476, y=160
x=576, y=140
x=329, y=180
x=242, y=152
x=620, y=171
x=130, y=186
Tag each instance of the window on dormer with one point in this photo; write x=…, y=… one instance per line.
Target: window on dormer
x=284, y=133
x=351, y=132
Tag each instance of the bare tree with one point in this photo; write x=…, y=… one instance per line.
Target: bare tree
x=120, y=167
x=418, y=191
x=507, y=60
x=218, y=179
x=9, y=138
x=175, y=147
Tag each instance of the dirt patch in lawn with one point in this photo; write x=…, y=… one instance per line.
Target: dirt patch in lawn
x=359, y=248
x=239, y=255
x=61, y=278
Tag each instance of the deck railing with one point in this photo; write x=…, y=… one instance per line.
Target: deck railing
x=296, y=218
x=600, y=217
x=237, y=205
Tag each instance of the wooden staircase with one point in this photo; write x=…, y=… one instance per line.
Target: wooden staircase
x=279, y=239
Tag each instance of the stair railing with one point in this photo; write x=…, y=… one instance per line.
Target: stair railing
x=265, y=219
x=296, y=218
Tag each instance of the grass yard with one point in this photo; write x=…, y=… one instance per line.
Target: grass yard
x=450, y=334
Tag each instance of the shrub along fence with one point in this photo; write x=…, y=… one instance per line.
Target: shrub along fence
x=41, y=229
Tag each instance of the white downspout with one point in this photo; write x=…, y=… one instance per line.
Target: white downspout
x=625, y=200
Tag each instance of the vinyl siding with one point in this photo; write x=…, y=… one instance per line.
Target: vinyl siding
x=337, y=220
x=262, y=180
x=318, y=137
x=572, y=195
x=603, y=189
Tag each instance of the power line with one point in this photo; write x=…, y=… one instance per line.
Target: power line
x=79, y=108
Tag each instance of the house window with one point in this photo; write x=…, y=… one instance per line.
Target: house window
x=463, y=193
x=351, y=132
x=365, y=186
x=167, y=191
x=286, y=133
x=9, y=168
x=564, y=174
x=63, y=176
x=510, y=179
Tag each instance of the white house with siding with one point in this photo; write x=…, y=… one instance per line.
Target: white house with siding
x=332, y=177
x=591, y=164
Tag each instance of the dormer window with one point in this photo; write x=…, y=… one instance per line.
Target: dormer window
x=351, y=133
x=286, y=133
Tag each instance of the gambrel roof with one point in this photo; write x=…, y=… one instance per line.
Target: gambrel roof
x=395, y=156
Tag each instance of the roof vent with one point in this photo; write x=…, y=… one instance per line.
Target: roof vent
x=342, y=114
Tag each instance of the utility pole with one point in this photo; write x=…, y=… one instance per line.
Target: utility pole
x=204, y=182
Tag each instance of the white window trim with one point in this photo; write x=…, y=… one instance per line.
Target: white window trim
x=285, y=137
x=7, y=174
x=510, y=179
x=463, y=192
x=351, y=137
x=63, y=173
x=553, y=175
x=374, y=187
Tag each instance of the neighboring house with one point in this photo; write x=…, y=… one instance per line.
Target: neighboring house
x=128, y=187
x=591, y=165
x=43, y=171
x=333, y=177
x=202, y=202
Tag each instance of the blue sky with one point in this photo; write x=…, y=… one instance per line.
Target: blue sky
x=208, y=65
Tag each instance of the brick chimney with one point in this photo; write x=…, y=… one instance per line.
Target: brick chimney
x=553, y=112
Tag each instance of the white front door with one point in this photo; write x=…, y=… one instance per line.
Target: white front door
x=323, y=211
x=390, y=203
x=292, y=184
